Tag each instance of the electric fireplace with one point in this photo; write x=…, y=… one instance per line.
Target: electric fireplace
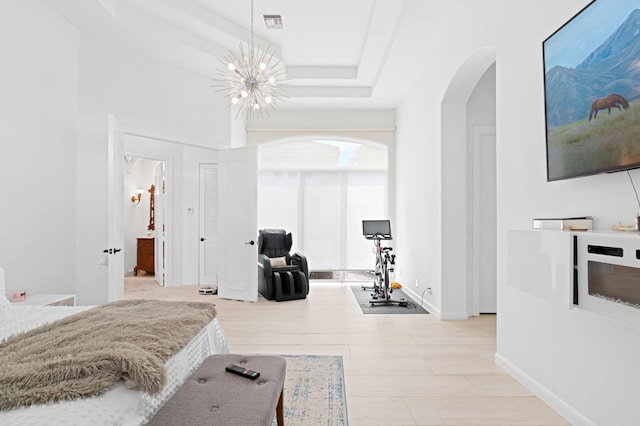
x=616, y=283
x=607, y=275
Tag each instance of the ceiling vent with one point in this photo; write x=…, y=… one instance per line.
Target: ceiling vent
x=273, y=22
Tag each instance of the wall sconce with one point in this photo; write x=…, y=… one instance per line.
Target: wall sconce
x=135, y=199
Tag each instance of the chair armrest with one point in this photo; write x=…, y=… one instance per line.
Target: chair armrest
x=300, y=260
x=264, y=263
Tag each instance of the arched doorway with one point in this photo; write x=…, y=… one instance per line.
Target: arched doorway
x=463, y=247
x=320, y=189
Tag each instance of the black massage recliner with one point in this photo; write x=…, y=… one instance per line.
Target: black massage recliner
x=281, y=276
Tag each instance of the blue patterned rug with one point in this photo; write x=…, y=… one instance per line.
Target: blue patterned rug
x=314, y=392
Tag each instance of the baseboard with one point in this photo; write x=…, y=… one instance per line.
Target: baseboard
x=445, y=316
x=425, y=303
x=567, y=411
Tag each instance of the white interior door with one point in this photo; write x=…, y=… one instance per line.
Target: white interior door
x=208, y=218
x=115, y=232
x=160, y=203
x=484, y=220
x=238, y=262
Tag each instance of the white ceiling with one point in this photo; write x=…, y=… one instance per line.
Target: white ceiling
x=338, y=53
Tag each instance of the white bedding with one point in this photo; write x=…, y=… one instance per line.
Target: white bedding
x=118, y=406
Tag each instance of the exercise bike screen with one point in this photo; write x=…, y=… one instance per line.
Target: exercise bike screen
x=376, y=229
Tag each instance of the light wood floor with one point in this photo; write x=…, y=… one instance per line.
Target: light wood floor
x=399, y=369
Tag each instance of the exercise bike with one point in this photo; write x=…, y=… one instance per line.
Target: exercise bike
x=378, y=230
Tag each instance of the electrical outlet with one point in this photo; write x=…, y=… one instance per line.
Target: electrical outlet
x=417, y=282
x=428, y=290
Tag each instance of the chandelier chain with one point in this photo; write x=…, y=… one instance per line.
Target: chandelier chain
x=252, y=25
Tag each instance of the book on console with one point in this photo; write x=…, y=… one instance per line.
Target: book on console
x=565, y=224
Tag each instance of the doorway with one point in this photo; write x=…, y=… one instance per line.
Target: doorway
x=320, y=189
x=468, y=212
x=144, y=219
x=483, y=220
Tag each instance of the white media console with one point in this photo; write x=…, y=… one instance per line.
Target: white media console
x=598, y=271
x=575, y=350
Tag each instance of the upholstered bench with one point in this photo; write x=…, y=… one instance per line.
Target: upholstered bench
x=213, y=396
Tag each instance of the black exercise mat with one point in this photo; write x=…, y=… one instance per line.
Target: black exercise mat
x=364, y=297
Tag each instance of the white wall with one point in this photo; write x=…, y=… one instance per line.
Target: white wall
x=591, y=352
x=481, y=108
x=595, y=365
x=334, y=119
x=431, y=198
x=38, y=108
x=58, y=88
x=150, y=98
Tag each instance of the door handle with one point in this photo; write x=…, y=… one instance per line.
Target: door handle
x=111, y=251
x=202, y=239
x=251, y=242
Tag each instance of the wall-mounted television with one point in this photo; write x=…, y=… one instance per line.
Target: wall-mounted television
x=592, y=91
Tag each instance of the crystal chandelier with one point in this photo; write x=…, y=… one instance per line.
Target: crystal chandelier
x=252, y=80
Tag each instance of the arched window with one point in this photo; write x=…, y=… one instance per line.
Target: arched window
x=320, y=190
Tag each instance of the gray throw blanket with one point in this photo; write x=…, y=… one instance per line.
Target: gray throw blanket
x=87, y=353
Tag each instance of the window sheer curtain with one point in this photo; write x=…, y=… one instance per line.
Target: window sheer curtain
x=321, y=191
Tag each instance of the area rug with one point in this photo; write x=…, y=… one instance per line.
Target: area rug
x=364, y=297
x=314, y=392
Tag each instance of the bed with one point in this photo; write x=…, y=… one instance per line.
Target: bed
x=119, y=405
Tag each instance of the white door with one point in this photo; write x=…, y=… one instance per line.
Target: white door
x=484, y=220
x=115, y=231
x=208, y=217
x=159, y=218
x=238, y=261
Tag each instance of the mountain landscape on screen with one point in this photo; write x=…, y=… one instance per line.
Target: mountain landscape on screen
x=611, y=68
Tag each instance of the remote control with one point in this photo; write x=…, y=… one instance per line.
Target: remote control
x=241, y=371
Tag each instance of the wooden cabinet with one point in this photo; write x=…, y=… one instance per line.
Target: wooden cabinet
x=145, y=257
